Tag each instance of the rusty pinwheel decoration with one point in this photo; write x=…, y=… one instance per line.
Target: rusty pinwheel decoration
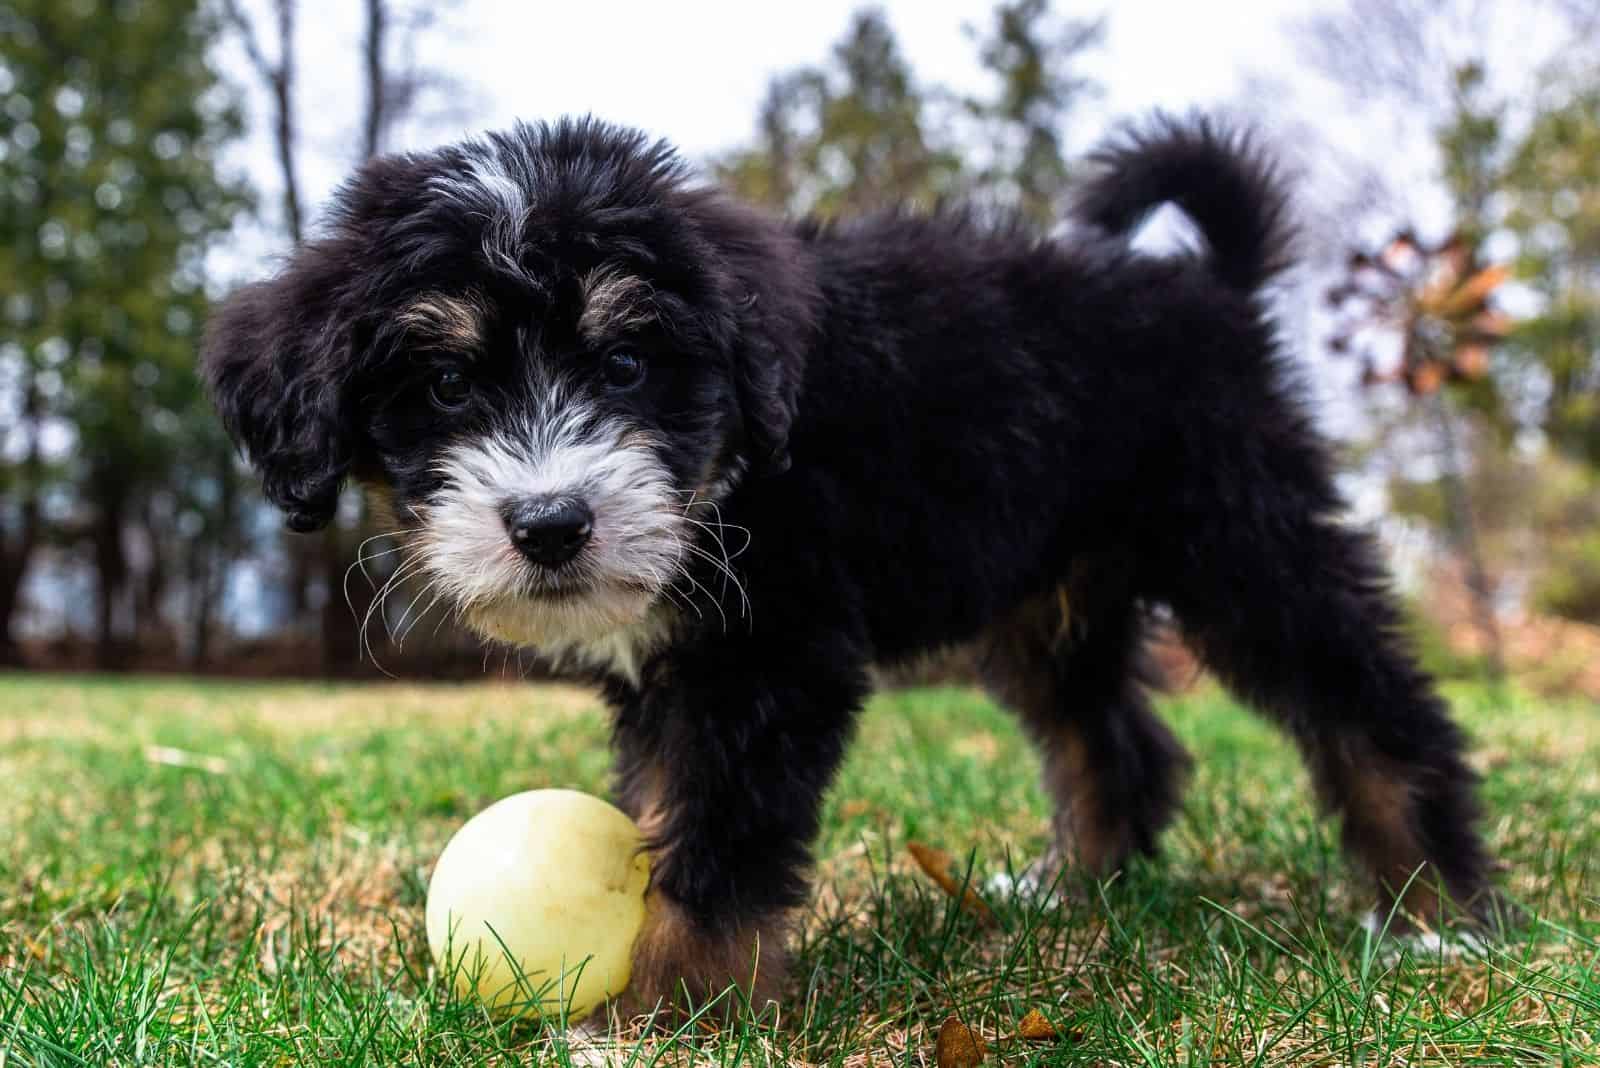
x=1436, y=299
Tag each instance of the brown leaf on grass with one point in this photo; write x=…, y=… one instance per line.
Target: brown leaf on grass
x=1035, y=1028
x=958, y=1046
x=855, y=807
x=938, y=866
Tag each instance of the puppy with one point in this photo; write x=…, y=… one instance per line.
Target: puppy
x=721, y=462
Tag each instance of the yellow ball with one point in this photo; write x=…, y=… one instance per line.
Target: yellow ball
x=551, y=879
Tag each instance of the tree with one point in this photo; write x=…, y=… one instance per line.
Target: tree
x=847, y=136
x=1431, y=62
x=1468, y=374
x=398, y=86
x=862, y=132
x=1436, y=302
x=109, y=200
x=1033, y=54
x=1550, y=182
x=23, y=485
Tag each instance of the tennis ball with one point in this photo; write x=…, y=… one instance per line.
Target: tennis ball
x=536, y=902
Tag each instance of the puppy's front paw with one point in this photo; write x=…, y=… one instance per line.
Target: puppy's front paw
x=682, y=965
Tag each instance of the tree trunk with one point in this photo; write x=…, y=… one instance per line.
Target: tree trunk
x=111, y=567
x=212, y=559
x=16, y=553
x=201, y=564
x=149, y=619
x=1464, y=532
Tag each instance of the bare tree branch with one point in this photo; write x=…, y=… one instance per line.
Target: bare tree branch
x=279, y=77
x=379, y=93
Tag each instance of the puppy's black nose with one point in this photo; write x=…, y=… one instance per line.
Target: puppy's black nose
x=549, y=530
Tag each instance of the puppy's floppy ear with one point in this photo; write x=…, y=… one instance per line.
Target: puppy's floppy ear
x=277, y=360
x=772, y=281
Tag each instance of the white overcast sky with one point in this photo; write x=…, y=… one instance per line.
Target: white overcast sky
x=694, y=71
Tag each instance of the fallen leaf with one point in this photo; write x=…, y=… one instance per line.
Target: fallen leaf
x=1035, y=1028
x=957, y=1046
x=938, y=866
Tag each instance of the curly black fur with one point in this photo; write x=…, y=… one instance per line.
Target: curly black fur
x=929, y=425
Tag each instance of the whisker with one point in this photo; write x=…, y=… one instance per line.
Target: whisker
x=693, y=586
x=716, y=537
x=437, y=592
x=408, y=567
x=363, y=558
x=721, y=524
x=729, y=574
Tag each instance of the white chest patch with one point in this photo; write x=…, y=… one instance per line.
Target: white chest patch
x=621, y=653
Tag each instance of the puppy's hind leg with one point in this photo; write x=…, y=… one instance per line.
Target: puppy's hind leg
x=1068, y=664
x=1290, y=608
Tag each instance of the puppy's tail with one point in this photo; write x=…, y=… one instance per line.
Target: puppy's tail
x=1219, y=177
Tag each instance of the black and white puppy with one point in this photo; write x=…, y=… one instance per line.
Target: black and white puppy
x=722, y=462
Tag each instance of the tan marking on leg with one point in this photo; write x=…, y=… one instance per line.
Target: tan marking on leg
x=1378, y=805
x=1086, y=835
x=1021, y=651
x=1063, y=627
x=654, y=814
x=642, y=794
x=679, y=965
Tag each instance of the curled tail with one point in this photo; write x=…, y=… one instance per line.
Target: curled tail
x=1217, y=176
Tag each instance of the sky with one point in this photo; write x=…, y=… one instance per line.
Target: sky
x=694, y=71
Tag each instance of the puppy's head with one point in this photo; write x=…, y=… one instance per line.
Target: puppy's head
x=540, y=348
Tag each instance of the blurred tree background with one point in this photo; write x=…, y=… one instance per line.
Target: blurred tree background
x=112, y=123
x=862, y=131
x=1480, y=345
x=130, y=536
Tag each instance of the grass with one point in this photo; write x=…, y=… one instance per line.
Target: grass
x=210, y=873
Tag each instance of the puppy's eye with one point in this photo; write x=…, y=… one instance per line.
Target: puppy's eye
x=623, y=369
x=450, y=390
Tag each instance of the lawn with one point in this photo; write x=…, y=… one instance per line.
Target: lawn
x=210, y=873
